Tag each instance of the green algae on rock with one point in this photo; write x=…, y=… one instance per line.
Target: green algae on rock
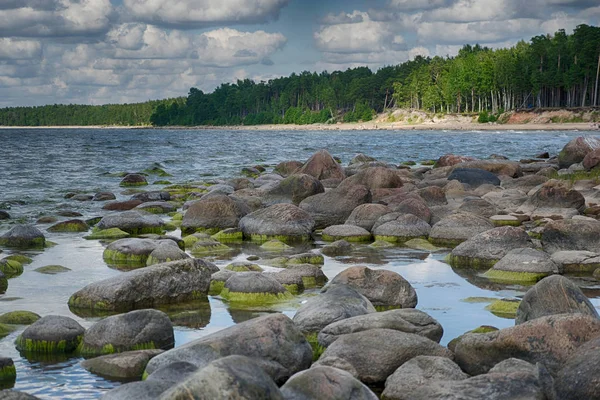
x=422, y=244
x=52, y=269
x=23, y=237
x=230, y=235
x=504, y=308
x=350, y=233
x=107, y=234
x=306, y=258
x=73, y=225
x=5, y=329
x=23, y=259
x=208, y=247
x=19, y=318
x=481, y=329
x=10, y=268
x=275, y=245
x=8, y=373
x=242, y=266
x=254, y=289
x=51, y=334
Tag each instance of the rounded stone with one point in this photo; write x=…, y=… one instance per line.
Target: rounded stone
x=50, y=335
x=254, y=287
x=73, y=225
x=285, y=222
x=350, y=233
x=23, y=236
x=456, y=228
x=19, y=318
x=365, y=215
x=133, y=180
x=402, y=229
x=134, y=222
x=326, y=382
x=523, y=265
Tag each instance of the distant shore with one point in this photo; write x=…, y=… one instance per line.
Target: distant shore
x=358, y=126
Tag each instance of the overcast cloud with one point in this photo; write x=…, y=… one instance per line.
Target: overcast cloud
x=114, y=51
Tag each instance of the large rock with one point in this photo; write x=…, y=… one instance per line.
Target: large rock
x=226, y=378
x=134, y=222
x=141, y=329
x=487, y=248
x=576, y=261
x=571, y=235
x=404, y=228
x=448, y=160
x=287, y=168
x=553, y=295
x=51, y=334
x=322, y=166
x=478, y=206
x=415, y=206
x=213, y=214
x=576, y=150
x=456, y=228
x=326, y=383
x=554, y=194
x=335, y=206
x=128, y=365
x=550, y=340
x=384, y=288
x=129, y=251
x=254, y=288
x=578, y=379
x=374, y=178
x=407, y=320
x=350, y=233
x=508, y=200
x=166, y=251
x=23, y=236
x=497, y=167
x=273, y=340
x=365, y=215
x=293, y=189
x=474, y=177
x=173, y=282
x=373, y=355
x=523, y=265
x=281, y=221
x=418, y=372
x=334, y=304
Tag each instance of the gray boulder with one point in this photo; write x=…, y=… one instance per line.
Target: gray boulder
x=173, y=282
x=374, y=178
x=157, y=207
x=474, y=177
x=278, y=221
x=133, y=222
x=373, y=355
x=23, y=236
x=246, y=286
x=404, y=228
x=351, y=233
x=456, y=228
x=323, y=382
x=335, y=303
x=384, y=288
x=365, y=215
x=129, y=251
x=407, y=320
x=293, y=189
x=478, y=206
x=576, y=261
x=166, y=251
x=51, y=334
x=420, y=371
x=554, y=295
x=571, y=235
x=128, y=365
x=523, y=265
x=213, y=214
x=141, y=329
x=415, y=206
x=16, y=395
x=578, y=378
x=229, y=377
x=335, y=206
x=273, y=340
x=322, y=166
x=576, y=150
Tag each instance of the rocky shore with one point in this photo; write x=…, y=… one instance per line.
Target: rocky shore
x=530, y=222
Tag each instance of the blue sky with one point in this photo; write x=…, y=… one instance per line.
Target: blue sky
x=116, y=51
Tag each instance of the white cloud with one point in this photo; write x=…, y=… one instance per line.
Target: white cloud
x=12, y=49
x=195, y=13
x=365, y=36
x=476, y=32
x=418, y=5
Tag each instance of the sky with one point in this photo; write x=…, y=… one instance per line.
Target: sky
x=126, y=51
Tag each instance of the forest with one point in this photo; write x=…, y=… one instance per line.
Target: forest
x=549, y=71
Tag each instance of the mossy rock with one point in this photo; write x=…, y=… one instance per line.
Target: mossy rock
x=20, y=258
x=216, y=287
x=191, y=240
x=177, y=217
x=11, y=268
x=470, y=262
x=422, y=244
x=5, y=329
x=231, y=235
x=46, y=347
x=52, y=269
x=479, y=299
x=19, y=318
x=8, y=373
x=282, y=238
x=162, y=182
x=209, y=247
x=48, y=244
x=156, y=171
x=482, y=329
x=446, y=243
x=74, y=225
x=293, y=288
x=255, y=299
x=514, y=277
x=275, y=245
x=306, y=258
x=312, y=339
x=396, y=239
x=505, y=220
x=114, y=257
x=107, y=234
x=170, y=226
x=86, y=351
x=504, y=308
x=243, y=267
x=381, y=244
x=3, y=284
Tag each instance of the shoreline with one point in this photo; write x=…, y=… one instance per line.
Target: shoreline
x=371, y=125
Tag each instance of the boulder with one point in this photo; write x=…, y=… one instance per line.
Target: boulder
x=337, y=248
x=285, y=222
x=157, y=207
x=23, y=236
x=273, y=340
x=591, y=159
x=134, y=222
x=373, y=355
x=73, y=225
x=312, y=276
x=433, y=196
x=474, y=177
x=335, y=206
x=365, y=215
x=10, y=268
x=508, y=200
x=451, y=159
x=415, y=206
x=173, y=282
x=15, y=395
x=374, y=178
x=576, y=150
x=554, y=194
x=404, y=228
x=578, y=378
x=407, y=320
x=523, y=265
x=350, y=233
x=135, y=330
x=19, y=318
x=335, y=303
x=478, y=206
x=130, y=251
x=549, y=340
x=554, y=295
x=456, y=228
x=571, y=235
x=293, y=189
x=213, y=214
x=134, y=180
x=217, y=281
x=326, y=383
x=482, y=251
x=51, y=334
x=166, y=251
x=576, y=261
x=287, y=168
x=104, y=196
x=497, y=167
x=226, y=378
x=127, y=365
x=254, y=288
x=121, y=205
x=420, y=371
x=322, y=166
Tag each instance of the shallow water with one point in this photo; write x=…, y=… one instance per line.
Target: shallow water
x=39, y=167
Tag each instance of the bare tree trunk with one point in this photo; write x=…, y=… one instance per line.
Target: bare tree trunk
x=596, y=86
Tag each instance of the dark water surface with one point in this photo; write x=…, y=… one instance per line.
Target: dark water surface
x=38, y=167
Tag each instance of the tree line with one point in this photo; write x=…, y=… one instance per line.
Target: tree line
x=559, y=70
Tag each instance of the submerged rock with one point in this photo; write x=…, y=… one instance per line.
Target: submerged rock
x=523, y=265
x=254, y=288
x=133, y=222
x=51, y=335
x=127, y=365
x=23, y=236
x=456, y=228
x=285, y=222
x=73, y=225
